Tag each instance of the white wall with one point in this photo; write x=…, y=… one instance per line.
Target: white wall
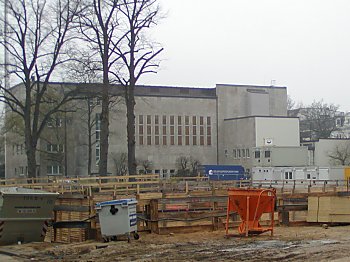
x=282, y=131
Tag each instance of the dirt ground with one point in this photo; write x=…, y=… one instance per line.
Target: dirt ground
x=288, y=244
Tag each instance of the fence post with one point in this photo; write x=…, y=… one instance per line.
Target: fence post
x=293, y=186
x=215, y=219
x=154, y=216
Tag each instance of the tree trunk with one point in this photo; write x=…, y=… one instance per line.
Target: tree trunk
x=104, y=131
x=30, y=140
x=130, y=105
x=89, y=126
x=31, y=158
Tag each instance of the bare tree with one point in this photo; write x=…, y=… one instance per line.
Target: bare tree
x=37, y=43
x=183, y=165
x=87, y=70
x=195, y=164
x=341, y=154
x=99, y=27
x=290, y=103
x=137, y=56
x=120, y=163
x=318, y=120
x=146, y=165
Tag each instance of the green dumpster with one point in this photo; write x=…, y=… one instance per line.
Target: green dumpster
x=24, y=214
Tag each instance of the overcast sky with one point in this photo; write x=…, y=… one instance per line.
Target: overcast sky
x=301, y=44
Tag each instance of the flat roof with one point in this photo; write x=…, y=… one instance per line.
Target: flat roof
x=253, y=86
x=259, y=116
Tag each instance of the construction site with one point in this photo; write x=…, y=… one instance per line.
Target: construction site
x=184, y=218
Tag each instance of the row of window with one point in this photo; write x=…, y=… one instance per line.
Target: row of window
x=21, y=171
x=54, y=122
x=18, y=149
x=174, y=130
x=54, y=169
x=55, y=148
x=267, y=154
x=51, y=170
x=239, y=153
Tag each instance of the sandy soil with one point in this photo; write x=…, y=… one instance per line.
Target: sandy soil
x=288, y=244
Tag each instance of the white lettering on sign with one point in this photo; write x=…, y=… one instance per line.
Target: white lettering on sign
x=26, y=211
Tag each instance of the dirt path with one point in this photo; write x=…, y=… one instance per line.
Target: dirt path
x=288, y=244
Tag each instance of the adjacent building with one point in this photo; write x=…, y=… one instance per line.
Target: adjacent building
x=205, y=124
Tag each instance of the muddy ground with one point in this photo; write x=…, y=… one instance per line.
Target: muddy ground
x=288, y=244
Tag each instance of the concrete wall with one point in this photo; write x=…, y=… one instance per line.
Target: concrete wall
x=238, y=135
x=281, y=131
x=164, y=156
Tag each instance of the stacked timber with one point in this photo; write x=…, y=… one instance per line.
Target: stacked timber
x=70, y=213
x=329, y=209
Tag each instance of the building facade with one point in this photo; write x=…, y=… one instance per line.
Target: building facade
x=170, y=123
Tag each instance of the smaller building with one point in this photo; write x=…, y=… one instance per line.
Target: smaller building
x=275, y=156
x=298, y=173
x=244, y=134
x=319, y=151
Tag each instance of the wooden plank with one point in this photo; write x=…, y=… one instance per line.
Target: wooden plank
x=71, y=208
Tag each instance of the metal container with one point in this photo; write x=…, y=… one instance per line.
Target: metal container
x=24, y=214
x=117, y=217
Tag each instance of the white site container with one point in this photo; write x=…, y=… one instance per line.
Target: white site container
x=117, y=217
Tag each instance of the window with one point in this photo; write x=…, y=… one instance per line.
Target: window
x=238, y=153
x=226, y=153
x=156, y=130
x=21, y=170
x=267, y=154
x=247, y=153
x=172, y=130
x=141, y=130
x=257, y=154
x=164, y=131
x=54, y=169
x=149, y=130
x=179, y=131
x=164, y=173
x=201, y=131
x=234, y=152
x=187, y=130
x=194, y=130
x=308, y=176
x=288, y=175
x=243, y=153
x=208, y=131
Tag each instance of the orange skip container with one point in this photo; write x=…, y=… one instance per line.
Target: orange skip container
x=250, y=204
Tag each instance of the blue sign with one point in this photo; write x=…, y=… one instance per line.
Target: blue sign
x=224, y=172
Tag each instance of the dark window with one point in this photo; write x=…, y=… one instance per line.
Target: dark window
x=257, y=154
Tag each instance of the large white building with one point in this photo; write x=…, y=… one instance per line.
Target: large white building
x=206, y=124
